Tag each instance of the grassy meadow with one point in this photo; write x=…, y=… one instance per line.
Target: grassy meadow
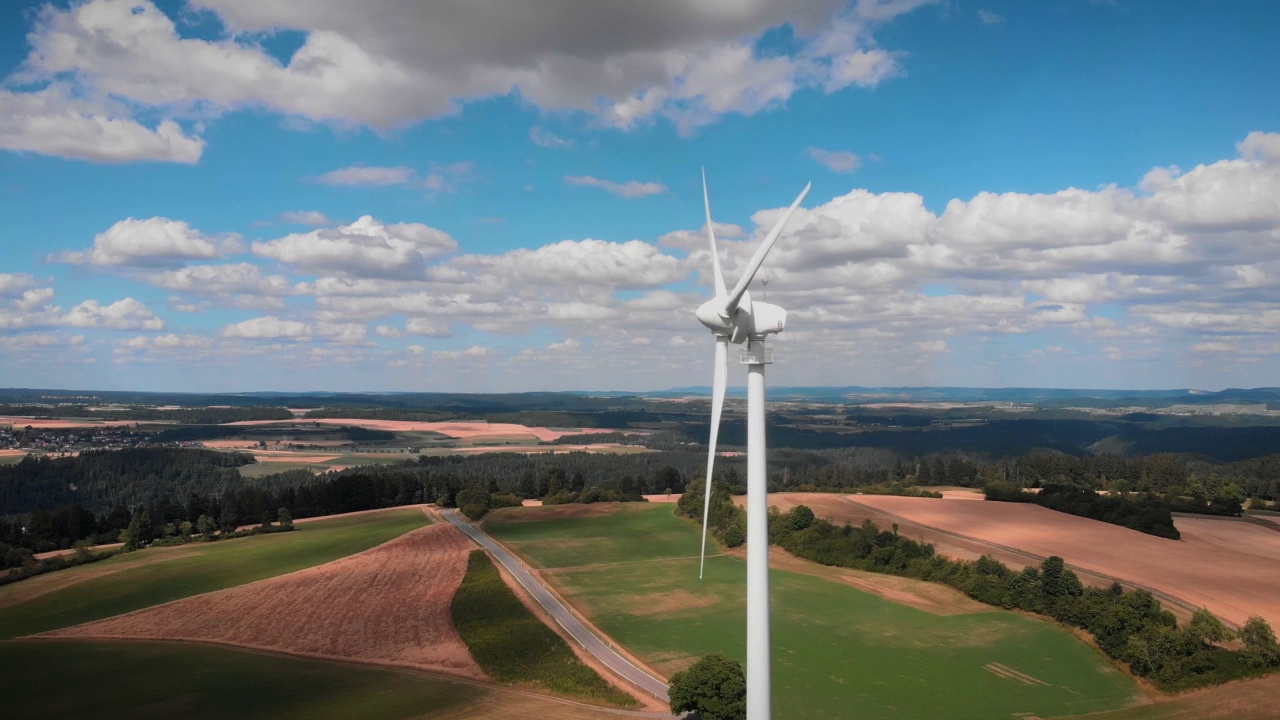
x=556, y=536
x=141, y=579
x=838, y=652
x=514, y=646
x=60, y=679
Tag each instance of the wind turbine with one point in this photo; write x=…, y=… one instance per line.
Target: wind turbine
x=732, y=317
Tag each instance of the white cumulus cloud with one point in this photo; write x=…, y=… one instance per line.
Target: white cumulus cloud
x=51, y=122
x=126, y=314
x=268, y=327
x=628, y=189
x=365, y=248
x=148, y=242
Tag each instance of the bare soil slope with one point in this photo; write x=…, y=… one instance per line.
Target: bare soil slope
x=385, y=606
x=1203, y=572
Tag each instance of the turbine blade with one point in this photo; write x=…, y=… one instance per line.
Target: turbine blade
x=720, y=377
x=735, y=297
x=711, y=238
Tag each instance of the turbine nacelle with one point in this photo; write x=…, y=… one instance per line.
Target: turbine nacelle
x=750, y=321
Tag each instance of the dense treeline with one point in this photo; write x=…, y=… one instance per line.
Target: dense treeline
x=196, y=433
x=103, y=479
x=116, y=484
x=100, y=481
x=1129, y=626
x=1144, y=513
x=383, y=414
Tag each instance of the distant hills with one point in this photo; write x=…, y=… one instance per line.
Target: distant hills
x=587, y=400
x=1042, y=397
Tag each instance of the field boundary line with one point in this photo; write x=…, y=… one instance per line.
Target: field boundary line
x=592, y=641
x=1166, y=597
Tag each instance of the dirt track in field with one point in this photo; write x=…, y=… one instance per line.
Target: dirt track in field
x=386, y=606
x=1227, y=566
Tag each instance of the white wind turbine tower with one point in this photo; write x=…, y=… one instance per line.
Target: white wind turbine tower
x=733, y=318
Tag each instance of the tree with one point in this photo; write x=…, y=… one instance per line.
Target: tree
x=473, y=501
x=205, y=525
x=715, y=687
x=139, y=531
x=668, y=480
x=801, y=517
x=1206, y=629
x=227, y=518
x=1259, y=642
x=285, y=518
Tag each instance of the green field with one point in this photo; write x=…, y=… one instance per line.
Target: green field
x=625, y=533
x=514, y=646
x=55, y=680
x=838, y=652
x=155, y=576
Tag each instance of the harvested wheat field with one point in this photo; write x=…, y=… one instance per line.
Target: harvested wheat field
x=841, y=509
x=385, y=606
x=1230, y=583
x=663, y=498
x=1232, y=534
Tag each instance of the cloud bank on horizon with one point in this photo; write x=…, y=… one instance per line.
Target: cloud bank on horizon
x=480, y=196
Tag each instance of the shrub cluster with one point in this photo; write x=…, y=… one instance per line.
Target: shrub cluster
x=726, y=521
x=32, y=568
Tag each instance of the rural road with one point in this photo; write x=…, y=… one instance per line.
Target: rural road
x=592, y=643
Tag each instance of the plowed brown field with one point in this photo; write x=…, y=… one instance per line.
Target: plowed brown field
x=385, y=606
x=1234, y=578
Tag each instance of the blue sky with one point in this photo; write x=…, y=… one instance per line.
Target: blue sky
x=237, y=195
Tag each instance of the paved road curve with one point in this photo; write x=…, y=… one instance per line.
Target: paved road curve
x=579, y=632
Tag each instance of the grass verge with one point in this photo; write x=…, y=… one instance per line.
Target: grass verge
x=514, y=646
